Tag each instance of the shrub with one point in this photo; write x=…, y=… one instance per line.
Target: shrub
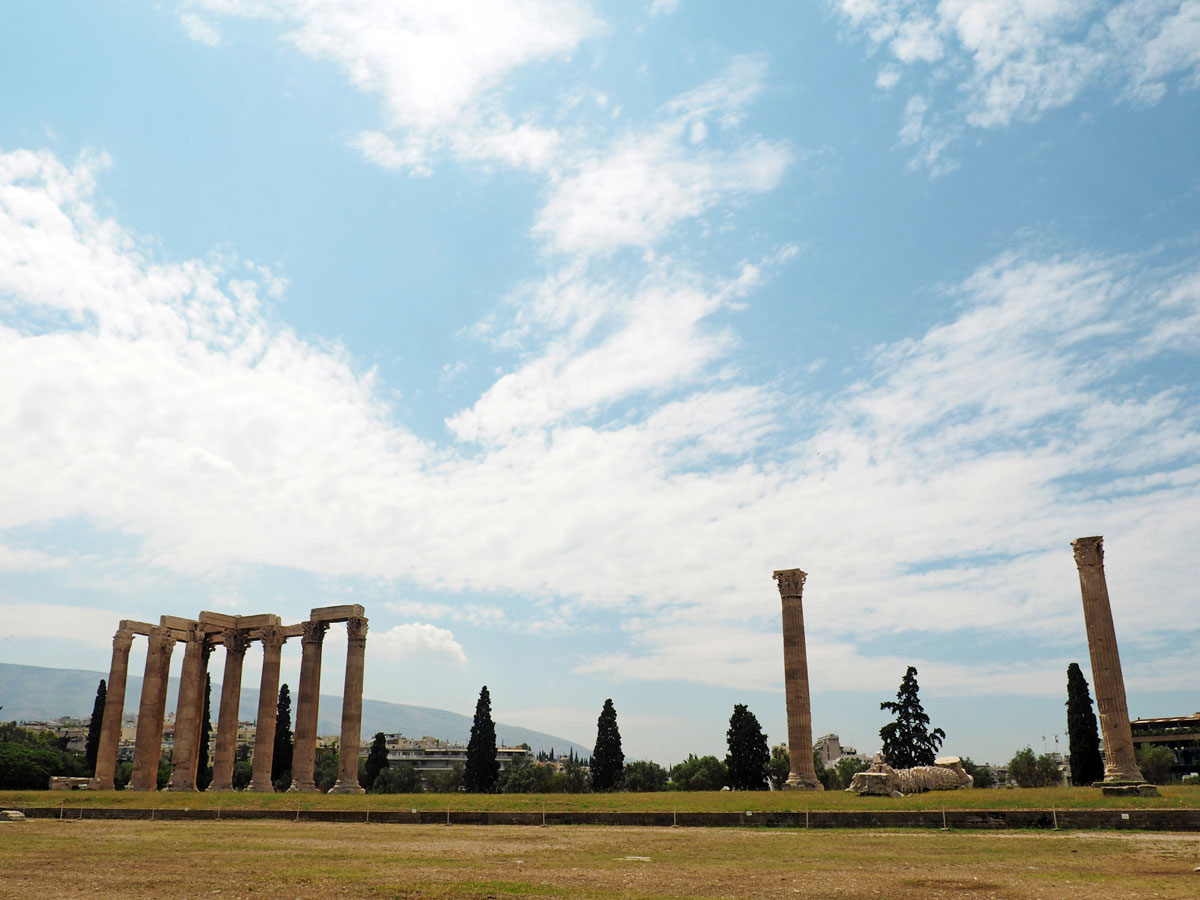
x=643, y=775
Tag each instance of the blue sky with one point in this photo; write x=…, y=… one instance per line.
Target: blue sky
x=547, y=331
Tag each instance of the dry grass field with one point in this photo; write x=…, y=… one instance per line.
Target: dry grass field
x=259, y=860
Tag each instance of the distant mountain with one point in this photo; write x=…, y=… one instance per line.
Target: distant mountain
x=36, y=693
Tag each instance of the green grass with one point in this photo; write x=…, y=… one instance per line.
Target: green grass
x=1174, y=796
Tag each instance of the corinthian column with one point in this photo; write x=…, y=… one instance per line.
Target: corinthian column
x=235, y=643
x=347, y=782
x=268, y=699
x=188, y=713
x=304, y=747
x=1120, y=764
x=114, y=710
x=795, y=682
x=148, y=744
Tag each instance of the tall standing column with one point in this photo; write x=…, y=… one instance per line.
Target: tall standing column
x=795, y=681
x=304, y=748
x=235, y=643
x=188, y=713
x=1120, y=763
x=356, y=634
x=148, y=744
x=114, y=711
x=268, y=698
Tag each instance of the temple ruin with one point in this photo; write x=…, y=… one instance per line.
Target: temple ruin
x=795, y=679
x=1121, y=771
x=235, y=634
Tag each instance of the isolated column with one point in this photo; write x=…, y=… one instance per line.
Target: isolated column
x=114, y=711
x=304, y=746
x=1120, y=763
x=148, y=744
x=795, y=681
x=356, y=634
x=188, y=713
x=235, y=642
x=268, y=699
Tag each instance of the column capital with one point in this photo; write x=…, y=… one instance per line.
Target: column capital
x=791, y=582
x=122, y=640
x=314, y=632
x=356, y=628
x=272, y=637
x=1089, y=551
x=161, y=641
x=235, y=641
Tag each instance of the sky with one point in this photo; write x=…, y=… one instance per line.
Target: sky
x=547, y=329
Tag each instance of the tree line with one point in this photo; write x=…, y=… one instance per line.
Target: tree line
x=28, y=759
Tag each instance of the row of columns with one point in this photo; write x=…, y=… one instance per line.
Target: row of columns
x=199, y=638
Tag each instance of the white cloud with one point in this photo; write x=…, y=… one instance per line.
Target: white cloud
x=938, y=493
x=417, y=639
x=647, y=184
x=434, y=66
x=199, y=30
x=663, y=7
x=643, y=185
x=1013, y=60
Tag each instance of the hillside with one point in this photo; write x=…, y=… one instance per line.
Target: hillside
x=34, y=692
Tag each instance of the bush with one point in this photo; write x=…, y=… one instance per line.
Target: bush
x=643, y=776
x=1034, y=771
x=29, y=758
x=704, y=773
x=447, y=782
x=401, y=778
x=243, y=771
x=526, y=777
x=1155, y=763
x=981, y=774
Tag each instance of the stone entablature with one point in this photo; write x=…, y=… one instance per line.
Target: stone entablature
x=235, y=633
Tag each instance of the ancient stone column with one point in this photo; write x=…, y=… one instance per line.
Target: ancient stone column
x=114, y=710
x=188, y=713
x=148, y=743
x=1120, y=763
x=268, y=699
x=347, y=782
x=795, y=682
x=235, y=643
x=304, y=746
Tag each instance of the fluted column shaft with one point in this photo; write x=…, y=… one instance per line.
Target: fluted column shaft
x=1120, y=762
x=795, y=678
x=347, y=782
x=268, y=699
x=235, y=643
x=114, y=711
x=148, y=744
x=188, y=713
x=304, y=746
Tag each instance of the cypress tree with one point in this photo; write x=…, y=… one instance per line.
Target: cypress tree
x=93, y=739
x=281, y=761
x=748, y=751
x=1083, y=734
x=908, y=742
x=203, y=772
x=377, y=760
x=482, y=767
x=608, y=762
